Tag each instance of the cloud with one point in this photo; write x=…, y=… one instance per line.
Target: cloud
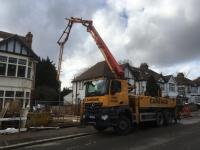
x=164, y=34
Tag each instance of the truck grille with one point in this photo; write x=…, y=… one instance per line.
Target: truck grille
x=92, y=107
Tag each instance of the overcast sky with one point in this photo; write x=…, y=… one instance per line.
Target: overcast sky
x=165, y=34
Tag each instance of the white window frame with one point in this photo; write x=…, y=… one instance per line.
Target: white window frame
x=26, y=100
x=27, y=66
x=172, y=86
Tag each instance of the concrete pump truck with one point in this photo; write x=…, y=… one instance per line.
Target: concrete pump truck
x=108, y=102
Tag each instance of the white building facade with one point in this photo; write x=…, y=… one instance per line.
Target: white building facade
x=170, y=87
x=17, y=69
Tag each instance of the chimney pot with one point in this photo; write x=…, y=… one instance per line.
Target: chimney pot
x=29, y=38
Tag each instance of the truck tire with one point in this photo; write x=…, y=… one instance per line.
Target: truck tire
x=123, y=126
x=159, y=119
x=100, y=128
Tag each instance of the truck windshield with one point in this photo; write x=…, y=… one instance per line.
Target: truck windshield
x=96, y=88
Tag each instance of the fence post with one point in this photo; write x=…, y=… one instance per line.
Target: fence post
x=19, y=121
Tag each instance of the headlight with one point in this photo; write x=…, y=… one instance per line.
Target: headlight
x=104, y=117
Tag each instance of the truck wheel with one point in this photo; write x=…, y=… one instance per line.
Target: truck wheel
x=123, y=126
x=159, y=119
x=100, y=128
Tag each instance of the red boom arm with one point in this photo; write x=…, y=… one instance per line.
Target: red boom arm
x=112, y=63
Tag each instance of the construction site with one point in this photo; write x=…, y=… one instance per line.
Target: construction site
x=111, y=104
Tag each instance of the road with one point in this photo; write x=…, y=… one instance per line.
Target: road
x=184, y=136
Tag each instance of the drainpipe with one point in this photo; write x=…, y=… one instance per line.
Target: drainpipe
x=76, y=98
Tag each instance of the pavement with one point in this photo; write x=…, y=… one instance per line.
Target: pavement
x=31, y=137
x=176, y=137
x=44, y=136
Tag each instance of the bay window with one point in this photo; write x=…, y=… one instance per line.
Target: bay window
x=15, y=67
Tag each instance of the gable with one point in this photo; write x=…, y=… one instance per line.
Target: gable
x=171, y=80
x=128, y=74
x=16, y=45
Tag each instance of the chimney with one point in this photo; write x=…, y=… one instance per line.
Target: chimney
x=144, y=67
x=180, y=75
x=29, y=37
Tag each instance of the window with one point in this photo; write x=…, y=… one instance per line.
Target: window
x=194, y=89
x=162, y=87
x=9, y=93
x=2, y=69
x=3, y=59
x=1, y=93
x=171, y=87
x=30, y=63
x=189, y=89
x=22, y=61
x=27, y=99
x=13, y=67
x=29, y=69
x=27, y=94
x=19, y=97
x=10, y=46
x=19, y=94
x=21, y=68
x=96, y=87
x=181, y=90
x=12, y=60
x=1, y=103
x=3, y=47
x=1, y=99
x=11, y=70
x=21, y=71
x=18, y=48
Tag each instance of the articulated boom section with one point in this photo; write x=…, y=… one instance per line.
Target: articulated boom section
x=114, y=66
